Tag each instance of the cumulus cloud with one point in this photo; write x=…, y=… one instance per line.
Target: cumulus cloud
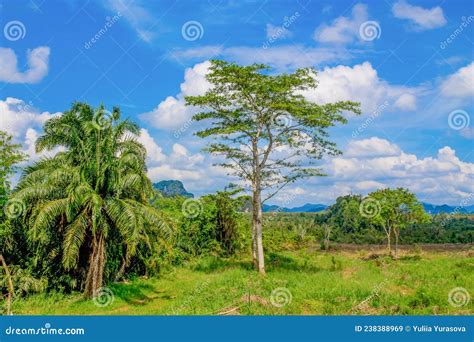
x=421, y=18
x=377, y=163
x=360, y=83
x=24, y=122
x=370, y=148
x=179, y=163
x=172, y=112
x=18, y=116
x=37, y=61
x=343, y=29
x=460, y=84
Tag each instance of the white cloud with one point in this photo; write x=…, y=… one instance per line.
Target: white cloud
x=377, y=163
x=422, y=18
x=18, y=116
x=360, y=83
x=172, y=112
x=179, y=164
x=155, y=153
x=406, y=102
x=460, y=84
x=37, y=60
x=24, y=123
x=370, y=148
x=343, y=29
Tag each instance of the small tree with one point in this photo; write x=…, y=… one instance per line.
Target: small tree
x=397, y=208
x=268, y=133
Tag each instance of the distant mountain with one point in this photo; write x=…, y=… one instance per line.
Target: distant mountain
x=448, y=209
x=307, y=208
x=171, y=188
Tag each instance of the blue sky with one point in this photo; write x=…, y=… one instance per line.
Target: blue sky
x=409, y=63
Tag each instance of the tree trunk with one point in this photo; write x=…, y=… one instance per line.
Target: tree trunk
x=254, y=244
x=95, y=272
x=11, y=290
x=388, y=232
x=389, y=243
x=396, y=242
x=327, y=235
x=257, y=218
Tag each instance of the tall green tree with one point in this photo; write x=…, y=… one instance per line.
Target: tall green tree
x=10, y=156
x=266, y=130
x=94, y=189
x=396, y=209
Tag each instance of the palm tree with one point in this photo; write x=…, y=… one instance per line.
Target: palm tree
x=95, y=185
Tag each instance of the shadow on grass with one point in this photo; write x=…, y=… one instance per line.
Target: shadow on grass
x=276, y=261
x=273, y=262
x=138, y=294
x=211, y=264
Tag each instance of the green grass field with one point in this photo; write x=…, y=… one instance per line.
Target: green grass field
x=347, y=281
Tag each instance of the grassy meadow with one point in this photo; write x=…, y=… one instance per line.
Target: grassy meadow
x=348, y=279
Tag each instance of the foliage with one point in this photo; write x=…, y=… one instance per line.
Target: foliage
x=215, y=230
x=396, y=209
